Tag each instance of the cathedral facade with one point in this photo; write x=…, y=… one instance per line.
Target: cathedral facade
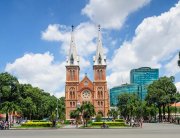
x=79, y=91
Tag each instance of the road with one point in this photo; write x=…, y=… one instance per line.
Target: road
x=148, y=131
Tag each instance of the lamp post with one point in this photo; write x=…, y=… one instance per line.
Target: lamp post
x=57, y=114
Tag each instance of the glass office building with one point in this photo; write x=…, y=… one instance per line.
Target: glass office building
x=124, y=88
x=139, y=80
x=143, y=77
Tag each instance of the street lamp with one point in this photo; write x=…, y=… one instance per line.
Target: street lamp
x=57, y=114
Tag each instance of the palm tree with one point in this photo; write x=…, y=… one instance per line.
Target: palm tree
x=76, y=114
x=87, y=112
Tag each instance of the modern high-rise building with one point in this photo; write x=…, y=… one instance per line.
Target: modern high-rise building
x=124, y=88
x=139, y=80
x=143, y=77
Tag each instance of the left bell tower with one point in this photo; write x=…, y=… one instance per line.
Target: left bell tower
x=72, y=77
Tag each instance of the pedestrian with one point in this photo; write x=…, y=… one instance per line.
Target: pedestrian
x=141, y=122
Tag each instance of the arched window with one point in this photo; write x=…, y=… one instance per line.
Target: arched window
x=72, y=74
x=72, y=93
x=99, y=74
x=70, y=104
x=100, y=92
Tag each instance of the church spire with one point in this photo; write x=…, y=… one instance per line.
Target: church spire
x=72, y=59
x=99, y=59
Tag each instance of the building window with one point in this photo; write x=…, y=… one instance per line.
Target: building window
x=72, y=93
x=72, y=74
x=100, y=92
x=70, y=104
x=101, y=103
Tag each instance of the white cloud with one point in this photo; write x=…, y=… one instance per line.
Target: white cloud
x=85, y=33
x=155, y=42
x=111, y=13
x=172, y=67
x=117, y=78
x=178, y=86
x=40, y=70
x=53, y=33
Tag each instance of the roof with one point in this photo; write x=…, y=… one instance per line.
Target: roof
x=176, y=104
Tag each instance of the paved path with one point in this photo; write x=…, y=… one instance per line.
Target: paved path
x=148, y=131
x=70, y=126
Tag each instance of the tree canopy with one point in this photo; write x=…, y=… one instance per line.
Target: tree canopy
x=30, y=102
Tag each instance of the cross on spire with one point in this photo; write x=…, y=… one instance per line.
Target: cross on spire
x=73, y=58
x=99, y=59
x=72, y=28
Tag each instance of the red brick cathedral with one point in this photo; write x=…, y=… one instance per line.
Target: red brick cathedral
x=76, y=91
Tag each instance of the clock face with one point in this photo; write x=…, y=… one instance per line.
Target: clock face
x=86, y=94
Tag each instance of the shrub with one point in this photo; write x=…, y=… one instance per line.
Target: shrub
x=119, y=120
x=108, y=123
x=98, y=118
x=37, y=124
x=67, y=122
x=39, y=121
x=89, y=122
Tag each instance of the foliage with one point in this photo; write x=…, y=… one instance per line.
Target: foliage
x=98, y=118
x=113, y=113
x=28, y=101
x=37, y=124
x=67, y=122
x=87, y=110
x=162, y=93
x=129, y=105
x=119, y=120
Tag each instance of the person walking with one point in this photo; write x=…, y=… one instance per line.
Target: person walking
x=141, y=122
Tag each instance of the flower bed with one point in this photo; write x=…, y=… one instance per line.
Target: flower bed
x=119, y=120
x=37, y=124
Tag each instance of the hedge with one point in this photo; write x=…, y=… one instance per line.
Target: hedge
x=39, y=121
x=37, y=124
x=119, y=120
x=108, y=123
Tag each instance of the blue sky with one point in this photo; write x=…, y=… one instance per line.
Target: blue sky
x=35, y=35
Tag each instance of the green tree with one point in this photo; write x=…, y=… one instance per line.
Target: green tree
x=98, y=118
x=129, y=105
x=113, y=113
x=76, y=114
x=87, y=110
x=161, y=93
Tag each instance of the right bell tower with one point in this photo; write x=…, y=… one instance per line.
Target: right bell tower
x=101, y=95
